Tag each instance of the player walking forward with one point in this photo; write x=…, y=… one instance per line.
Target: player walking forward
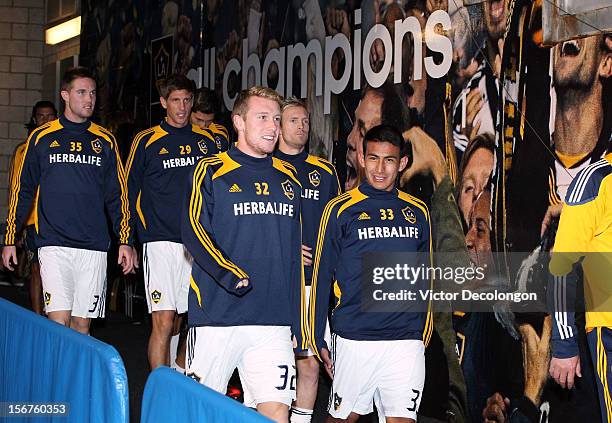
x=158, y=170
x=387, y=347
x=241, y=223
x=74, y=166
x=320, y=184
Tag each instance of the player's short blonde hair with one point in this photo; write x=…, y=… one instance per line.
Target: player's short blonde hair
x=293, y=102
x=241, y=104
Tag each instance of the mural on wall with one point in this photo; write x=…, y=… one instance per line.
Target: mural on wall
x=515, y=120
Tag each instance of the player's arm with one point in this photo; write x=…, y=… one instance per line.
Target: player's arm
x=576, y=230
x=198, y=237
x=327, y=252
x=134, y=170
x=577, y=225
x=299, y=325
x=116, y=196
x=335, y=188
x=24, y=179
x=23, y=182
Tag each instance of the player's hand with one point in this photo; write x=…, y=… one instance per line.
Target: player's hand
x=552, y=213
x=427, y=157
x=535, y=358
x=136, y=261
x=126, y=259
x=496, y=409
x=307, y=255
x=563, y=370
x=9, y=253
x=242, y=283
x=327, y=363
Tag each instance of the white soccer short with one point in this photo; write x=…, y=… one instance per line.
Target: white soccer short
x=167, y=269
x=73, y=279
x=391, y=373
x=327, y=336
x=263, y=355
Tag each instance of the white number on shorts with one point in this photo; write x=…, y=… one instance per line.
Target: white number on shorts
x=95, y=303
x=285, y=377
x=414, y=400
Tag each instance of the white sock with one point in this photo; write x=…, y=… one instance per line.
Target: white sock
x=173, y=346
x=300, y=415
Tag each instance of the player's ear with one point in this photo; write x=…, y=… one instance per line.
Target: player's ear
x=64, y=95
x=163, y=102
x=403, y=163
x=238, y=122
x=361, y=158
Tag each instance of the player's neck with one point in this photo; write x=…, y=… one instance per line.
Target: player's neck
x=289, y=149
x=246, y=149
x=573, y=134
x=71, y=117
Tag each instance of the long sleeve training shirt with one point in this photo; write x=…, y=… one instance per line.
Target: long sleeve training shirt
x=76, y=170
x=241, y=220
x=158, y=168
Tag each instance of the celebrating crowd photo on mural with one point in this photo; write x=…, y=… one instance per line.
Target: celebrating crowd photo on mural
x=285, y=187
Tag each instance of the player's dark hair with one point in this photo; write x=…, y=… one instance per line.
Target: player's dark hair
x=39, y=105
x=176, y=82
x=75, y=73
x=387, y=133
x=205, y=101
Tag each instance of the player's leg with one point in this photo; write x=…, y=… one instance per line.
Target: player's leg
x=36, y=296
x=182, y=298
x=212, y=355
x=159, y=260
x=159, y=341
x=80, y=324
x=267, y=370
x=307, y=381
x=400, y=380
x=89, y=301
x=355, y=365
x=352, y=418
x=275, y=411
x=62, y=317
x=600, y=346
x=307, y=386
x=57, y=283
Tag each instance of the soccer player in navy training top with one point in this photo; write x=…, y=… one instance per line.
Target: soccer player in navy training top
x=241, y=223
x=319, y=185
x=203, y=114
x=74, y=166
x=158, y=171
x=375, y=356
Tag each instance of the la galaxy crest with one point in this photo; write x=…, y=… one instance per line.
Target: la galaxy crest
x=156, y=296
x=315, y=178
x=218, y=142
x=288, y=189
x=96, y=146
x=409, y=215
x=202, y=146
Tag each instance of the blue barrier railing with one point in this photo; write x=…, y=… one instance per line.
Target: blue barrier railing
x=172, y=397
x=44, y=362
